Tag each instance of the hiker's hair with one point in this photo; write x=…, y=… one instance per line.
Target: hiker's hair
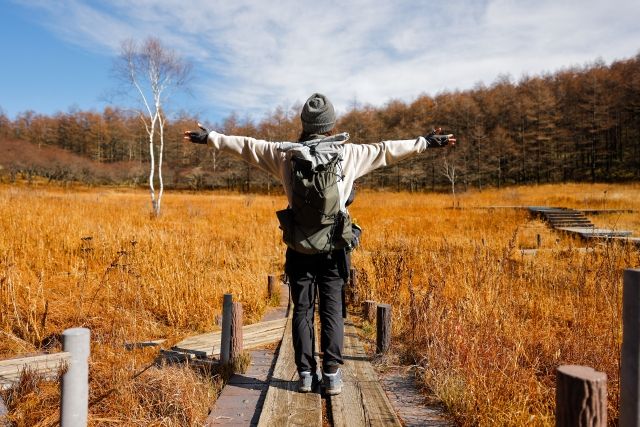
x=307, y=136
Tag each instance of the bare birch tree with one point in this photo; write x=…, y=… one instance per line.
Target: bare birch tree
x=152, y=72
x=449, y=171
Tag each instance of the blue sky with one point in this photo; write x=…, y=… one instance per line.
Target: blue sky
x=252, y=56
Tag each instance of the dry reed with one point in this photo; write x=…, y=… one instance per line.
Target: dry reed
x=486, y=323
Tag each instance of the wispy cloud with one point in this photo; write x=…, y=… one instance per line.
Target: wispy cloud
x=256, y=55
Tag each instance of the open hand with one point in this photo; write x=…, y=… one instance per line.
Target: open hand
x=197, y=136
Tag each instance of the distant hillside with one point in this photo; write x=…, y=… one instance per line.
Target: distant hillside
x=578, y=124
x=21, y=159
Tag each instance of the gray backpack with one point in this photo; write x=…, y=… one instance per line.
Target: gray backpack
x=314, y=222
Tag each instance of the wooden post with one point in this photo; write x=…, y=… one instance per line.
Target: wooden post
x=538, y=240
x=225, y=336
x=369, y=310
x=383, y=326
x=353, y=281
x=630, y=354
x=271, y=286
x=236, y=331
x=581, y=397
x=74, y=405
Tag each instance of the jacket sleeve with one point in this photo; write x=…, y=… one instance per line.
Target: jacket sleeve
x=364, y=158
x=263, y=154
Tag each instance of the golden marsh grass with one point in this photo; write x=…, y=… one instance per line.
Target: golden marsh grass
x=485, y=323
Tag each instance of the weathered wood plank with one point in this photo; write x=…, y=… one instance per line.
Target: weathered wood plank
x=283, y=405
x=257, y=336
x=247, y=330
x=254, y=336
x=595, y=232
x=37, y=360
x=346, y=408
x=363, y=402
x=46, y=365
x=249, y=343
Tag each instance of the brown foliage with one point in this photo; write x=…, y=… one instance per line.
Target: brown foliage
x=579, y=124
x=25, y=160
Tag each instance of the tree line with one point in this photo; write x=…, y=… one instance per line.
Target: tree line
x=578, y=124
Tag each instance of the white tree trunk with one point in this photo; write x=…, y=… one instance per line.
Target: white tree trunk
x=153, y=163
x=151, y=69
x=449, y=170
x=160, y=155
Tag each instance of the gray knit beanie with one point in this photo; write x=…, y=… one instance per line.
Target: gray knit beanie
x=317, y=114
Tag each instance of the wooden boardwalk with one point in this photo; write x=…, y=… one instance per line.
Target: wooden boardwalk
x=242, y=398
x=46, y=365
x=254, y=336
x=572, y=221
x=283, y=405
x=363, y=402
x=267, y=395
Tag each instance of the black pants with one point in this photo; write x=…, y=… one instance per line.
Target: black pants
x=325, y=274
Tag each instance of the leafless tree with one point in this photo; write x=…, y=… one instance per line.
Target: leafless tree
x=152, y=72
x=449, y=171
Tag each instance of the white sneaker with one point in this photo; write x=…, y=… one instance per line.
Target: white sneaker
x=332, y=383
x=307, y=381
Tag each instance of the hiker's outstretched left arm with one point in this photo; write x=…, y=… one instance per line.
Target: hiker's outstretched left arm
x=364, y=158
x=256, y=152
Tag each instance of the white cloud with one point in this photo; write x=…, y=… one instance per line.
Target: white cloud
x=261, y=54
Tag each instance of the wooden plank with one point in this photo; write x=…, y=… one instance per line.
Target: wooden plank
x=595, y=232
x=247, y=330
x=46, y=365
x=212, y=348
x=363, y=402
x=41, y=361
x=254, y=336
x=283, y=405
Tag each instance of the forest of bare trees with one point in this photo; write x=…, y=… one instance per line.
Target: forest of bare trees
x=579, y=124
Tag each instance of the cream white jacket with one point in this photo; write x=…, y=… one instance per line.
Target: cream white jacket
x=357, y=159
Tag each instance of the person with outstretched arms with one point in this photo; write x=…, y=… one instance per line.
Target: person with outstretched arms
x=317, y=173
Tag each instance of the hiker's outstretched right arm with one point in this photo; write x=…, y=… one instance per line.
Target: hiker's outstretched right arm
x=364, y=158
x=256, y=152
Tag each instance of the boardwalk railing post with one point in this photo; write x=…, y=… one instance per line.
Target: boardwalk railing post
x=75, y=381
x=383, y=327
x=581, y=397
x=369, y=310
x=271, y=286
x=225, y=336
x=630, y=354
x=236, y=332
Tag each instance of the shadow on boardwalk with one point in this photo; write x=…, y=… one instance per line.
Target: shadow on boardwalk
x=267, y=394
